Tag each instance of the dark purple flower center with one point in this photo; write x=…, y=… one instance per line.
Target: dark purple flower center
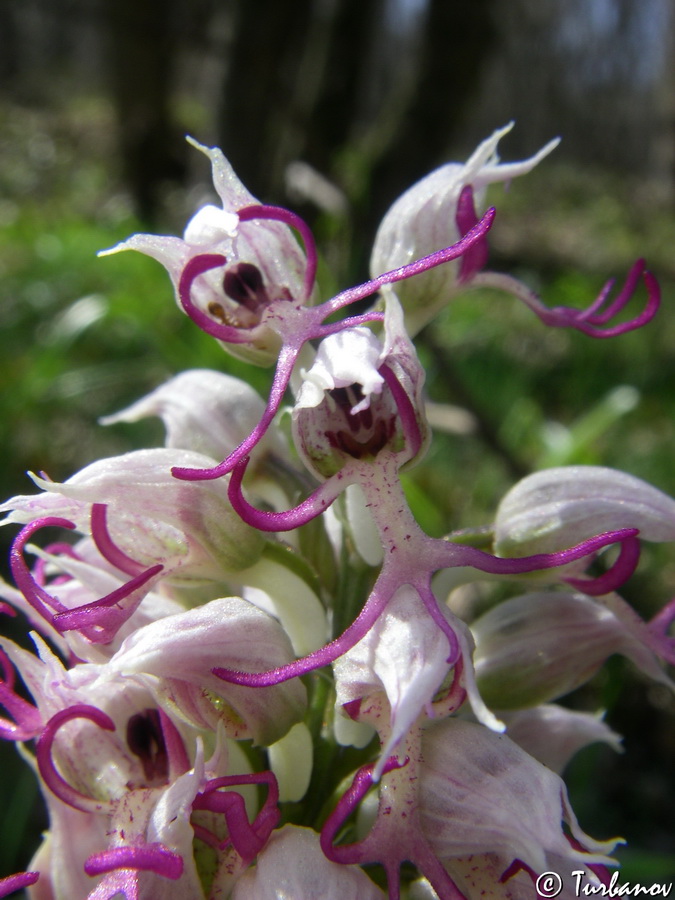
x=243, y=283
x=364, y=433
x=145, y=739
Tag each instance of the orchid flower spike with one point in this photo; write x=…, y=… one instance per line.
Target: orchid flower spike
x=240, y=275
x=190, y=603
x=357, y=421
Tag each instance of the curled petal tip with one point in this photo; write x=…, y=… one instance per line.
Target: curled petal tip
x=48, y=772
x=594, y=320
x=195, y=267
x=617, y=574
x=100, y=620
x=16, y=882
x=317, y=502
x=148, y=858
x=280, y=214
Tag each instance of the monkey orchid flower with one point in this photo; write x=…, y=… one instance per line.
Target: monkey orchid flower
x=139, y=516
x=435, y=211
x=471, y=810
x=260, y=264
x=440, y=209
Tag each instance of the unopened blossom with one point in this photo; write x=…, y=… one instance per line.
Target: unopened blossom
x=480, y=790
x=553, y=734
x=543, y=511
x=541, y=646
x=231, y=629
x=205, y=411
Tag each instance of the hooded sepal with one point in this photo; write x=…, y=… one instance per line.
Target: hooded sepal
x=537, y=647
x=433, y=214
x=176, y=655
x=204, y=411
x=151, y=517
x=481, y=793
x=558, y=507
x=554, y=734
x=293, y=865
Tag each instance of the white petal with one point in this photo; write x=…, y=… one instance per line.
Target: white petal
x=292, y=867
x=210, y=225
x=349, y=357
x=291, y=760
x=405, y=654
x=560, y=507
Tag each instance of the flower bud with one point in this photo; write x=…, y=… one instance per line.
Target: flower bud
x=557, y=508
x=205, y=411
x=534, y=648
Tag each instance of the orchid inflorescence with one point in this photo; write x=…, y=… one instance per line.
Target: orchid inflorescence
x=180, y=751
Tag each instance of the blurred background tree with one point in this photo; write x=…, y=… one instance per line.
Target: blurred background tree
x=334, y=107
